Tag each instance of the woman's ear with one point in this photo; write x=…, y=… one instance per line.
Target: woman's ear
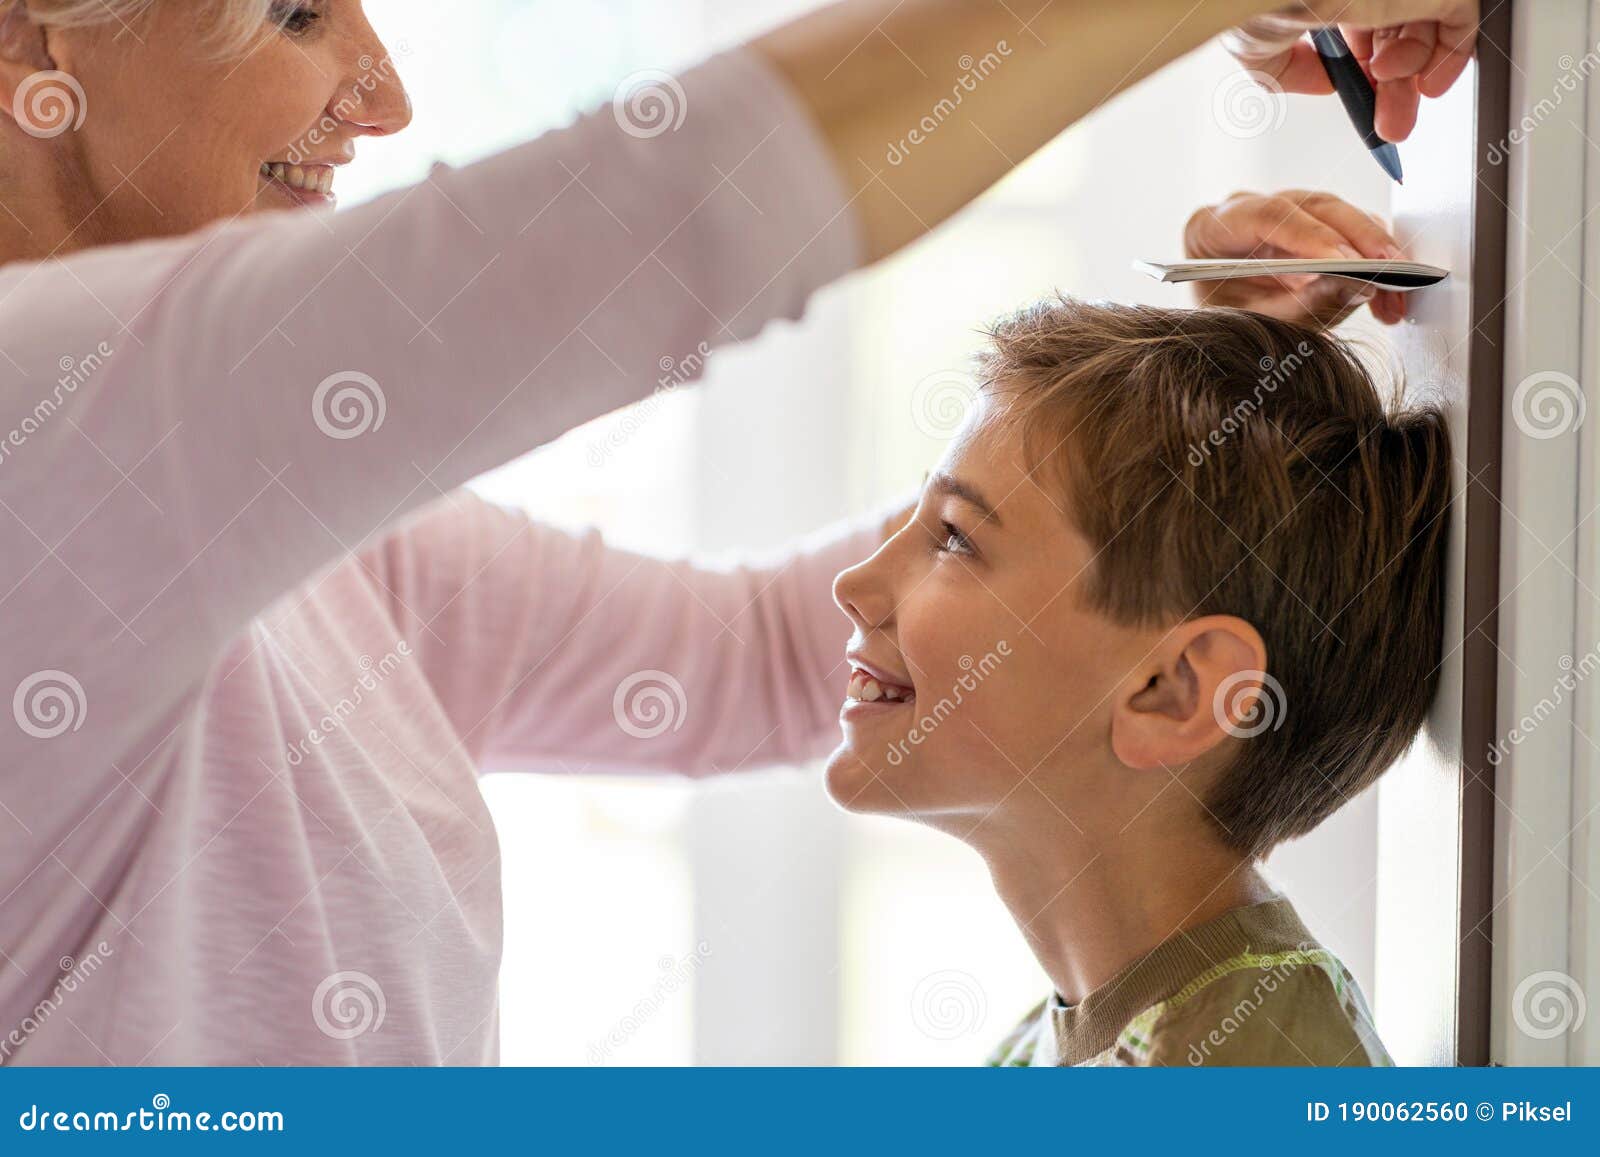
x=1204, y=682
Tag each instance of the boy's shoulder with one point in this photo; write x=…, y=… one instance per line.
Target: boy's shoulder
x=1251, y=988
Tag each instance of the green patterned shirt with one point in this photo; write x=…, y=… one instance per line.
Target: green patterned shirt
x=1251, y=987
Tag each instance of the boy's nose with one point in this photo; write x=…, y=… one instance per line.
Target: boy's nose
x=862, y=593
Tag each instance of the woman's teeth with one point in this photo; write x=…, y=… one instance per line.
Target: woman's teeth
x=316, y=179
x=868, y=690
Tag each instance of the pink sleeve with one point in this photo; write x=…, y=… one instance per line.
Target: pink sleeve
x=553, y=651
x=226, y=414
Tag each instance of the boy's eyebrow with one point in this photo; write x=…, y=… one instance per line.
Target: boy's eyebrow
x=946, y=484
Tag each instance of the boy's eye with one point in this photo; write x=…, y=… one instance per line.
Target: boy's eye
x=954, y=541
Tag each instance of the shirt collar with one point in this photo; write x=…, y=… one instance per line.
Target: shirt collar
x=1085, y=1030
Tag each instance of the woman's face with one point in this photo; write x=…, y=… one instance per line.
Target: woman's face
x=974, y=606
x=173, y=138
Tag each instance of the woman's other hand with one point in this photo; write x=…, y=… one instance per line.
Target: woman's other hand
x=1409, y=48
x=1293, y=223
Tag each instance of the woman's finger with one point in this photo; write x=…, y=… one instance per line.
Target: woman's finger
x=1334, y=300
x=1281, y=223
x=1396, y=113
x=1360, y=42
x=1301, y=71
x=1359, y=228
x=1276, y=46
x=1443, y=70
x=1389, y=306
x=1402, y=53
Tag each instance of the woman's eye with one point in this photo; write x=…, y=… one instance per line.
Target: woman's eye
x=954, y=541
x=295, y=19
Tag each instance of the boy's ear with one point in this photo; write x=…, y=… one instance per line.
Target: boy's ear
x=23, y=51
x=1205, y=682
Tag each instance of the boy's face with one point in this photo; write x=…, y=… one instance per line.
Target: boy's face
x=975, y=606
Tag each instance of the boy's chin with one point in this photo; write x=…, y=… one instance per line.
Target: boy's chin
x=858, y=787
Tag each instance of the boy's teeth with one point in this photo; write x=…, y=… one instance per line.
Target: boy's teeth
x=865, y=688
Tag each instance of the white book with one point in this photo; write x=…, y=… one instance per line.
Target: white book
x=1398, y=275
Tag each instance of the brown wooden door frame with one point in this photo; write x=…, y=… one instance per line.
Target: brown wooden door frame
x=1481, y=588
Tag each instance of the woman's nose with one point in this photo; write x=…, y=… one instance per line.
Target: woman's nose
x=380, y=105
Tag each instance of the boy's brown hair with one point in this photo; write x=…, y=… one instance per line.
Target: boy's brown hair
x=1224, y=462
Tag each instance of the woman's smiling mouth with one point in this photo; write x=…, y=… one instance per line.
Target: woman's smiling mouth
x=303, y=184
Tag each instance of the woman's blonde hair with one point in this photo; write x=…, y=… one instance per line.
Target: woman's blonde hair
x=235, y=23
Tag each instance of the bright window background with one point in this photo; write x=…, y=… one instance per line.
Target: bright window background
x=747, y=921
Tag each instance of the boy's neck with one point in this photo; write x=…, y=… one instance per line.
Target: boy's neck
x=1089, y=913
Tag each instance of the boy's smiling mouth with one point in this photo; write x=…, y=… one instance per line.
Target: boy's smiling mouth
x=870, y=689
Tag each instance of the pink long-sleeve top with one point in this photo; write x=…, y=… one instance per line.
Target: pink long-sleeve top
x=257, y=643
